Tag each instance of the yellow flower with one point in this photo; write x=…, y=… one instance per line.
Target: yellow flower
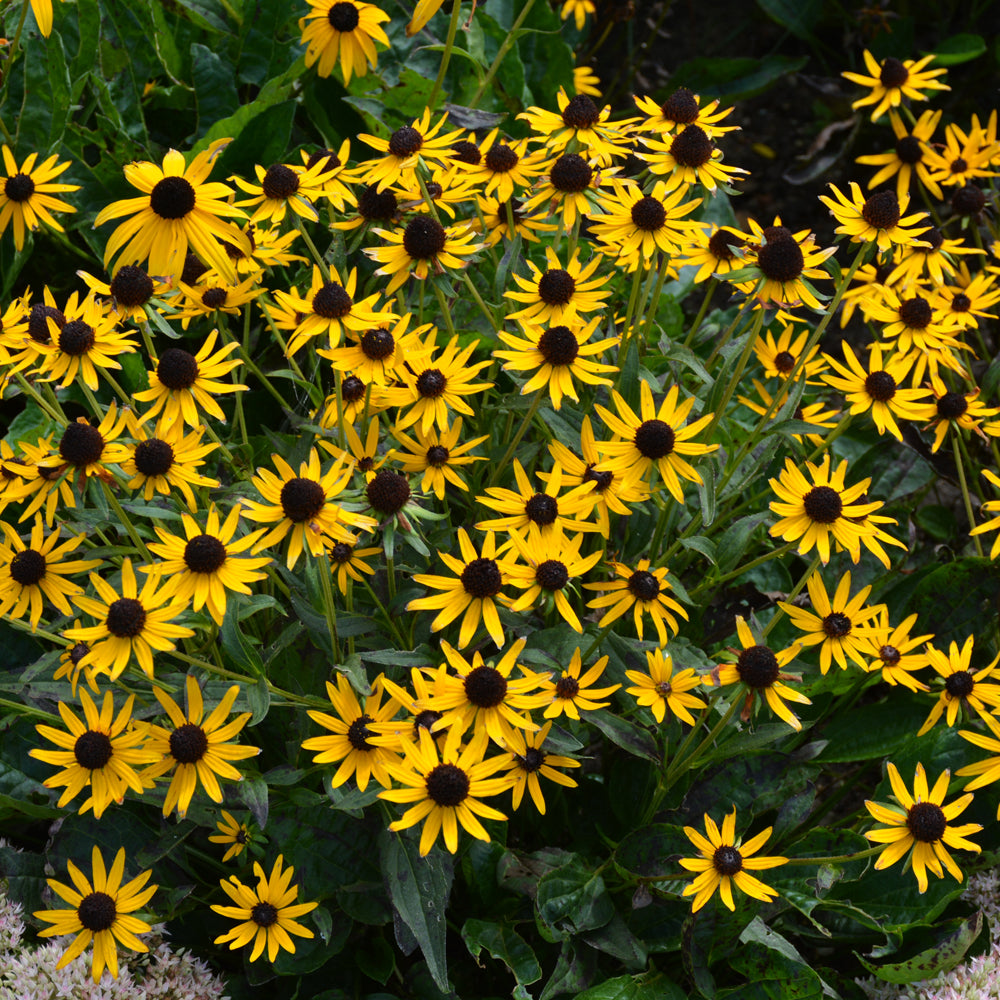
x=436, y=454
x=662, y=690
x=346, y=30
x=963, y=688
x=231, y=832
x=578, y=9
x=643, y=590
x=892, y=80
x=26, y=195
x=405, y=149
x=527, y=765
x=557, y=294
x=687, y=158
x=572, y=694
x=910, y=155
x=880, y=218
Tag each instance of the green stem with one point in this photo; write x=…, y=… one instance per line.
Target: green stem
x=325, y=570
x=449, y=44
x=16, y=706
x=791, y=595
x=56, y=414
x=316, y=255
x=126, y=521
x=734, y=380
x=389, y=620
x=483, y=308
x=960, y=459
x=505, y=47
x=712, y=285
x=753, y=564
x=502, y=465
x=674, y=771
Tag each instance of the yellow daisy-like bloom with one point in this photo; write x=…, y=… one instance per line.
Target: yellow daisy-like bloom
x=378, y=350
x=891, y=650
x=203, y=567
x=445, y=789
x=167, y=459
x=714, y=251
x=505, y=219
x=183, y=381
x=266, y=913
x=664, y=691
x=548, y=511
x=344, y=30
x=838, y=626
x=963, y=687
x=910, y=156
x=578, y=10
x=33, y=573
x=347, y=561
x=581, y=125
x=570, y=189
x=814, y=509
x=269, y=248
x=70, y=665
x=282, y=187
x=434, y=386
x=778, y=357
x=784, y=262
x=966, y=301
x=302, y=506
x=128, y=291
x=436, y=455
x=557, y=295
x=362, y=456
x=645, y=591
x=405, y=149
x=195, y=750
x=362, y=754
x=612, y=491
x=572, y=694
x=328, y=308
x=726, y=861
x=527, y=765
x=133, y=623
x=473, y=592
x=923, y=823
x=878, y=390
x=656, y=440
x=990, y=507
x=758, y=667
x=231, y=832
x=964, y=155
x=937, y=260
x=954, y=410
x=99, y=754
x=892, y=80
x=422, y=248
x=688, y=158
x=101, y=912
x=585, y=80
x=985, y=771
x=213, y=294
x=26, y=197
x=680, y=109
x=880, y=218
x=912, y=320
x=504, y=168
x=179, y=208
x=552, y=561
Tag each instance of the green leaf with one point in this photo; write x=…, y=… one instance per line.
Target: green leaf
x=419, y=889
x=31, y=424
x=958, y=49
x=772, y=975
x=236, y=644
x=734, y=79
x=42, y=120
x=214, y=86
x=632, y=988
x=957, y=598
x=615, y=939
x=943, y=957
x=627, y=735
x=572, y=899
x=652, y=851
x=505, y=945
x=872, y=732
x=800, y=17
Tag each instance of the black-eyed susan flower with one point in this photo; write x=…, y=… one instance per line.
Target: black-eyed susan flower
x=547, y=511
x=557, y=294
x=99, y=754
x=231, y=832
x=892, y=80
x=656, y=438
x=958, y=410
x=182, y=382
x=909, y=156
x=405, y=149
x=923, y=823
x=680, y=109
x=444, y=790
x=531, y=763
x=570, y=188
x=912, y=320
x=571, y=693
x=423, y=683
x=714, y=250
x=983, y=772
x=303, y=508
x=376, y=352
x=26, y=196
x=688, y=158
x=165, y=458
x=361, y=455
x=819, y=507
x=580, y=124
x=879, y=389
x=990, y=507
x=422, y=248
x=343, y=31
x=437, y=456
x=33, y=573
x=71, y=665
x=204, y=566
x=645, y=591
x=503, y=220
x=726, y=861
x=473, y=592
x=963, y=688
x=663, y=690
x=812, y=413
x=879, y=219
x=266, y=913
x=937, y=260
x=578, y=10
x=505, y=167
x=612, y=491
x=435, y=384
x=963, y=156
x=347, y=562
x=196, y=750
x=965, y=302
x=282, y=187
x=128, y=291
x=784, y=264
x=837, y=624
x=212, y=295
x=267, y=248
x=358, y=751
x=758, y=667
x=178, y=208
x=779, y=356
x=892, y=650
x=102, y=911
x=551, y=562
x=132, y=623
x=373, y=206
x=585, y=80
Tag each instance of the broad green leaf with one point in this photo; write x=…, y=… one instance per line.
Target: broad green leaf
x=572, y=899
x=800, y=18
x=654, y=987
x=943, y=957
x=955, y=599
x=214, y=86
x=505, y=945
x=627, y=735
x=652, y=851
x=958, y=49
x=734, y=79
x=772, y=975
x=872, y=732
x=615, y=939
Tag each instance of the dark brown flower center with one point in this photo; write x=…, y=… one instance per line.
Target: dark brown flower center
x=343, y=17
x=654, y=439
x=172, y=198
x=265, y=914
x=648, y=214
x=916, y=313
x=481, y=578
x=92, y=750
x=556, y=287
x=193, y=269
x=691, y=147
x=126, y=618
x=437, y=455
x=405, y=142
x=153, y=457
x=822, y=504
x=532, y=760
x=353, y=389
x=926, y=821
x=204, y=554
x=327, y=157
x=281, y=182
x=602, y=479
x=81, y=444
x=781, y=260
x=542, y=509
x=377, y=344
x=358, y=733
x=485, y=687
x=680, y=107
x=188, y=743
x=959, y=166
x=952, y=405
x=959, y=684
x=302, y=499
x=38, y=327
x=894, y=73
x=567, y=687
x=332, y=301
x=784, y=361
x=375, y=205
x=177, y=369
x=881, y=210
x=466, y=152
x=341, y=553
x=447, y=785
x=78, y=652
x=644, y=586
x=837, y=625
x=388, y=491
x=425, y=720
x=570, y=173
x=131, y=286
x=727, y=860
x=961, y=303
x=19, y=188
x=424, y=238
x=552, y=575
x=431, y=383
x=881, y=386
x=581, y=112
x=758, y=667
x=909, y=150
x=558, y=345
x=97, y=912
x=214, y=298
x=968, y=200
x=28, y=567
x=722, y=242
x=501, y=158
x=889, y=655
